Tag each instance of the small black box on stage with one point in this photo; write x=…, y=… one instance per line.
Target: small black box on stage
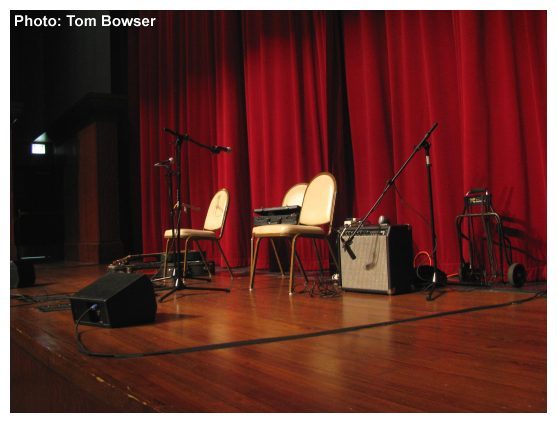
x=122, y=299
x=22, y=274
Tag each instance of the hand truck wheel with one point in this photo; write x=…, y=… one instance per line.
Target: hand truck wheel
x=464, y=272
x=516, y=275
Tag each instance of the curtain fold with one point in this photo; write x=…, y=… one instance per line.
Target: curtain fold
x=297, y=93
x=285, y=58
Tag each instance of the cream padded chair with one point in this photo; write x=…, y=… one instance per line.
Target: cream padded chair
x=213, y=230
x=293, y=197
x=317, y=210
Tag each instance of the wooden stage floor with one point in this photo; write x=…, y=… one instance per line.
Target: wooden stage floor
x=487, y=360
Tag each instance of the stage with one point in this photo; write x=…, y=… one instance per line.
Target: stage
x=266, y=351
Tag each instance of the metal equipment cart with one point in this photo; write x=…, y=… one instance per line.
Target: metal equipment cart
x=485, y=262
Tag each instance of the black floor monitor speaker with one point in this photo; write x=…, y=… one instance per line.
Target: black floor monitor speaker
x=379, y=260
x=122, y=299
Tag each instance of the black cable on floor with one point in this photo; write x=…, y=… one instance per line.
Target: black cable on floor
x=259, y=341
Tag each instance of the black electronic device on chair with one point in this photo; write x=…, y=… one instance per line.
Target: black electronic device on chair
x=276, y=215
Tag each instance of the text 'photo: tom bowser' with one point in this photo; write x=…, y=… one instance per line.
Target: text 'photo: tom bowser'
x=75, y=21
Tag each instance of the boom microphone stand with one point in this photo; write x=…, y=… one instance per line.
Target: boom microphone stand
x=424, y=143
x=177, y=271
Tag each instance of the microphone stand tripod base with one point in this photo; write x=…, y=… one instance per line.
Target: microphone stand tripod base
x=179, y=285
x=439, y=278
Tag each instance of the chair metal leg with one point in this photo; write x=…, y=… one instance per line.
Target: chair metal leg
x=333, y=254
x=253, y=261
x=185, y=268
x=165, y=266
x=277, y=256
x=292, y=255
x=203, y=259
x=318, y=257
x=250, y=253
x=225, y=259
x=300, y=265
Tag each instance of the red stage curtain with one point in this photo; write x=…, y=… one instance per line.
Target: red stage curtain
x=191, y=80
x=297, y=93
x=285, y=64
x=482, y=77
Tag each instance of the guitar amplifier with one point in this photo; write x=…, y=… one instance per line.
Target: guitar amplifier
x=379, y=260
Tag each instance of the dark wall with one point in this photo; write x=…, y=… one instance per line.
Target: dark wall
x=81, y=58
x=52, y=70
x=53, y=67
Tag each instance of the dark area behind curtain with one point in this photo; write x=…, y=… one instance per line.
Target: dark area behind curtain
x=297, y=93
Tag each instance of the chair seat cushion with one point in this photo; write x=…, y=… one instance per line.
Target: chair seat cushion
x=286, y=230
x=197, y=233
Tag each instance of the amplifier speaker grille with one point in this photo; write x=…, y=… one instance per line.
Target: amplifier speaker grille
x=378, y=260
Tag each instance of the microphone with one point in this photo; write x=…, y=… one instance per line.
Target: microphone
x=424, y=144
x=218, y=148
x=167, y=162
x=431, y=130
x=349, y=250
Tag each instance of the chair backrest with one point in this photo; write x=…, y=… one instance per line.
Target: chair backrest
x=319, y=201
x=295, y=195
x=216, y=214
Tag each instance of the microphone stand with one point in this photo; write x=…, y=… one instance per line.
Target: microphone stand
x=177, y=271
x=168, y=176
x=424, y=143
x=434, y=278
